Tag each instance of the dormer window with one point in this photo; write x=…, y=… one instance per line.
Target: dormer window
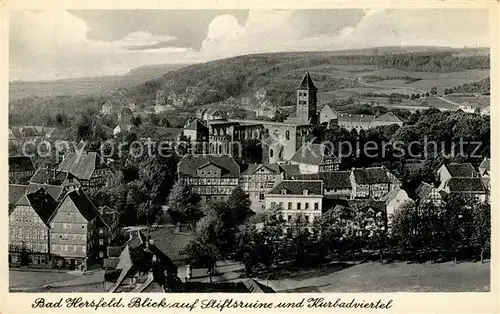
x=305, y=192
x=283, y=191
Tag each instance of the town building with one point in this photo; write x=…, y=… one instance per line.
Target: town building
x=76, y=238
x=314, y=158
x=29, y=230
x=213, y=177
x=88, y=167
x=427, y=193
x=21, y=169
x=396, y=198
x=460, y=170
x=471, y=186
x=18, y=135
x=257, y=180
x=373, y=182
x=336, y=184
x=330, y=118
x=16, y=191
x=297, y=197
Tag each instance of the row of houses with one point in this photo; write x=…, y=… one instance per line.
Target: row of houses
x=52, y=222
x=214, y=177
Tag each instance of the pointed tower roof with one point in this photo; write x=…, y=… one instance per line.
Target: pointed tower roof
x=307, y=83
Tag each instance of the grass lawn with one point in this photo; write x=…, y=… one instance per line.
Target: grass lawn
x=35, y=278
x=397, y=277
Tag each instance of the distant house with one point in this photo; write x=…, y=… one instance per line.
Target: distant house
x=29, y=230
x=257, y=180
x=314, y=158
x=75, y=235
x=141, y=267
x=336, y=184
x=354, y=121
x=448, y=171
x=211, y=176
x=207, y=114
x=22, y=134
x=427, y=193
x=373, y=182
x=326, y=115
x=387, y=118
x=21, y=169
x=349, y=121
x=395, y=199
x=89, y=168
x=197, y=132
x=472, y=186
x=297, y=197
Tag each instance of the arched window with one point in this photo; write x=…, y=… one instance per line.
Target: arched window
x=287, y=135
x=220, y=149
x=271, y=153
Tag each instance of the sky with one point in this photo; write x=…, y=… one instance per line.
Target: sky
x=56, y=44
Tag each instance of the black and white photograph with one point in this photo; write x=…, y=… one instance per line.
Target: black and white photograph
x=339, y=150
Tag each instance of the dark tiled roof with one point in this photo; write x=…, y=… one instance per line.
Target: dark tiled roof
x=41, y=202
x=290, y=170
x=371, y=176
x=196, y=124
x=312, y=154
x=110, y=263
x=20, y=163
x=331, y=180
x=423, y=190
x=45, y=176
x=16, y=191
x=190, y=163
x=466, y=185
x=297, y=187
x=248, y=169
x=388, y=117
x=55, y=191
x=81, y=165
x=461, y=170
x=307, y=83
x=114, y=251
x=82, y=203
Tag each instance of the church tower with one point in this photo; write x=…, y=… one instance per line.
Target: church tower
x=306, y=100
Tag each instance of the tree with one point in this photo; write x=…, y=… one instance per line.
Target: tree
x=482, y=229
x=247, y=247
x=298, y=238
x=434, y=90
x=183, y=203
x=136, y=121
x=273, y=235
x=239, y=203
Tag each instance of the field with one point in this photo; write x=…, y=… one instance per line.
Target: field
x=397, y=277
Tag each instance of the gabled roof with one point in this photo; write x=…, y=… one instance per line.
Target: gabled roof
x=307, y=83
x=249, y=169
x=55, y=191
x=82, y=203
x=331, y=180
x=190, y=163
x=461, y=170
x=41, y=202
x=423, y=190
x=388, y=117
x=290, y=170
x=196, y=124
x=466, y=185
x=45, y=176
x=16, y=191
x=392, y=194
x=81, y=165
x=312, y=154
x=297, y=187
x=20, y=164
x=375, y=175
x=329, y=109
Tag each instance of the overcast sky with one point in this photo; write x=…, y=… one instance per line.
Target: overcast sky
x=62, y=44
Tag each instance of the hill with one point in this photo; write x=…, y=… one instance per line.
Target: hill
x=100, y=85
x=279, y=73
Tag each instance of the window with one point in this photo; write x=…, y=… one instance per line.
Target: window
x=289, y=217
x=287, y=135
x=289, y=205
x=261, y=196
x=299, y=205
x=307, y=218
x=271, y=153
x=316, y=206
x=283, y=191
x=101, y=242
x=307, y=206
x=101, y=231
x=203, y=172
x=281, y=204
x=305, y=192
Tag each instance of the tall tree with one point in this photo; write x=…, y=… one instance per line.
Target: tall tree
x=183, y=203
x=239, y=203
